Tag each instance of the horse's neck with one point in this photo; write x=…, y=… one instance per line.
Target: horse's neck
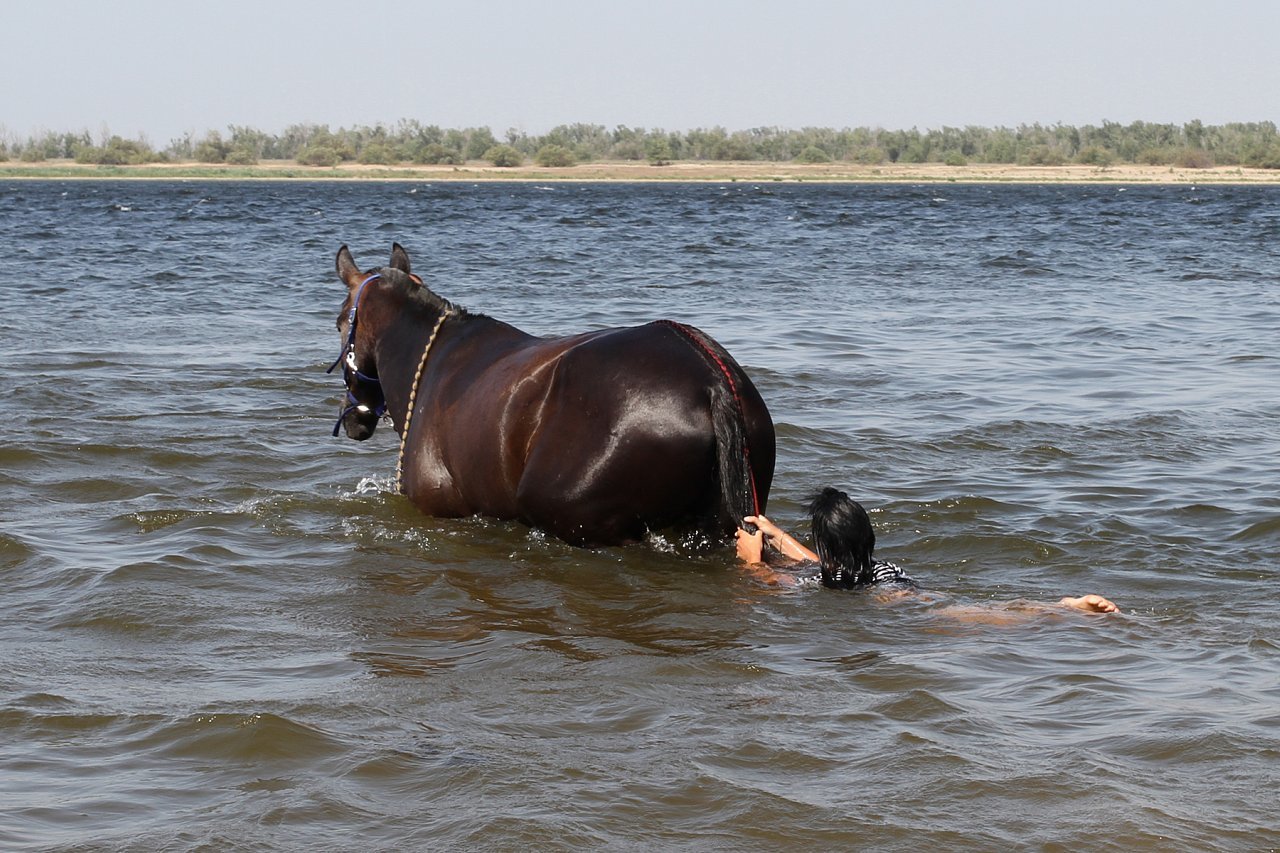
x=400, y=350
x=416, y=343
x=489, y=335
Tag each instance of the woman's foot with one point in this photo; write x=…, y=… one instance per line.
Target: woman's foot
x=1091, y=604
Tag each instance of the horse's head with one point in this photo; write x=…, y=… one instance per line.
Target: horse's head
x=365, y=403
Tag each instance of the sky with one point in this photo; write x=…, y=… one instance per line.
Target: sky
x=160, y=70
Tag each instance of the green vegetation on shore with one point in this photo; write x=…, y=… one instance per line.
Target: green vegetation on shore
x=1190, y=145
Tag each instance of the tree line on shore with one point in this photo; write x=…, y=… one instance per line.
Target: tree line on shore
x=1189, y=145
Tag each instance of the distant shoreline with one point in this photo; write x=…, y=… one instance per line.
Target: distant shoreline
x=639, y=171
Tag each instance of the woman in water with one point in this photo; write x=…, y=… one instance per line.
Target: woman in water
x=844, y=541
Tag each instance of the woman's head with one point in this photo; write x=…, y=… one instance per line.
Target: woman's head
x=843, y=538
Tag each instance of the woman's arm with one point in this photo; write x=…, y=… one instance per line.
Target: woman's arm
x=750, y=551
x=780, y=539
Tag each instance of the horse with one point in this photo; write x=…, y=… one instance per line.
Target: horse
x=597, y=438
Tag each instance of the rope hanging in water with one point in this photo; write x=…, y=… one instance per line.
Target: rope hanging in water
x=413, y=397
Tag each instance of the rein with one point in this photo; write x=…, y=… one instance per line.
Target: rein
x=413, y=397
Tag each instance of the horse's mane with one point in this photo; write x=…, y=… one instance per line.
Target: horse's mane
x=425, y=296
x=428, y=298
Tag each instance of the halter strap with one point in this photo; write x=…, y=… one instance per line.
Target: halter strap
x=347, y=358
x=350, y=347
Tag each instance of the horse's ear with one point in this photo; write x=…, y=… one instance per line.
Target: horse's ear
x=400, y=259
x=347, y=269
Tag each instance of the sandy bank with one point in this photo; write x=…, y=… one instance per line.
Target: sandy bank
x=681, y=171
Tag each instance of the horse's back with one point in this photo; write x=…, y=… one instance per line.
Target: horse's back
x=596, y=438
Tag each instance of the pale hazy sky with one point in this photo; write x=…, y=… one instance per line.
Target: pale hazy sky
x=159, y=69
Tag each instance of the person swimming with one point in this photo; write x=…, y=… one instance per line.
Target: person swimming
x=842, y=557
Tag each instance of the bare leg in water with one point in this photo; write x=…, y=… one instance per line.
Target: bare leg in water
x=1091, y=604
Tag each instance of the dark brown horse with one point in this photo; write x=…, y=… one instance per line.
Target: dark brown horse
x=596, y=438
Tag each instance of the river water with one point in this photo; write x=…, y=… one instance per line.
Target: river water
x=223, y=630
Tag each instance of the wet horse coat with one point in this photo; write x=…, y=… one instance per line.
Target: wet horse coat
x=596, y=438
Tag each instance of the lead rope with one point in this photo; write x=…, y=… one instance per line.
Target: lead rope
x=413, y=397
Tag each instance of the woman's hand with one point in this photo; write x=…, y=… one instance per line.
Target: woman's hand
x=784, y=542
x=767, y=527
x=750, y=545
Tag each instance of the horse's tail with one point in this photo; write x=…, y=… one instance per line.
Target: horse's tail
x=737, y=481
x=739, y=492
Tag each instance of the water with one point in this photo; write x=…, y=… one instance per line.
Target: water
x=222, y=629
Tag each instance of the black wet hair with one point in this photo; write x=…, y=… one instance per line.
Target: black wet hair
x=843, y=537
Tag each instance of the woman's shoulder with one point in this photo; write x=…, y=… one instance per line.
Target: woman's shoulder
x=883, y=572
x=809, y=573
x=806, y=573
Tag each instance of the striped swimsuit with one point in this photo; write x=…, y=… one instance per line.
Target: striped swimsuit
x=883, y=574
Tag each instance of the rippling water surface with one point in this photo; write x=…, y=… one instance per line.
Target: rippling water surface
x=223, y=630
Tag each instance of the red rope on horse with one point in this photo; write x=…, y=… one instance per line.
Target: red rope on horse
x=737, y=399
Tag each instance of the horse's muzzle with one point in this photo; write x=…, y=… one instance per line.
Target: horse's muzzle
x=359, y=425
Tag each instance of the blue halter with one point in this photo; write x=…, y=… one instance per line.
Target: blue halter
x=350, y=372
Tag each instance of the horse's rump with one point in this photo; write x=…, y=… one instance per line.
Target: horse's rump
x=640, y=431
